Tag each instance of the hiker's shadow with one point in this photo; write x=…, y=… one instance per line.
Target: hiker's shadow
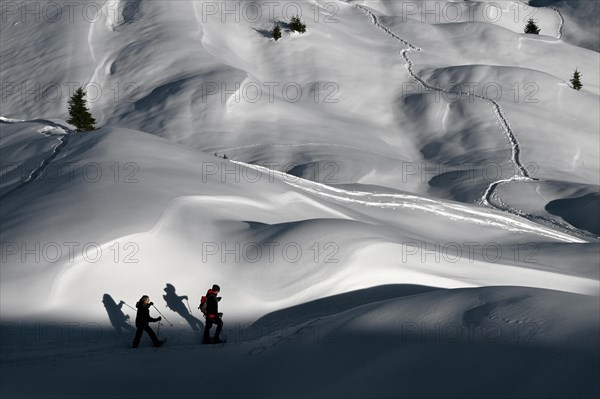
x=118, y=319
x=175, y=303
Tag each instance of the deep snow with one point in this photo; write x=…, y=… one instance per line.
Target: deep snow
x=421, y=222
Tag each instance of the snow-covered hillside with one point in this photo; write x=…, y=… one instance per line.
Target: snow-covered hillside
x=409, y=204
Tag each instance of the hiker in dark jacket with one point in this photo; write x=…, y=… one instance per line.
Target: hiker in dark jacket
x=213, y=316
x=142, y=322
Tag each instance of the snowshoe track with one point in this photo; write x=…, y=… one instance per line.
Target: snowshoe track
x=523, y=175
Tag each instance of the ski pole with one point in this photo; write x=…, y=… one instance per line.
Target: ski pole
x=125, y=303
x=188, y=303
x=163, y=316
x=158, y=329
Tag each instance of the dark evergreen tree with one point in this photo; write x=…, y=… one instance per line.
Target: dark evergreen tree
x=79, y=114
x=576, y=80
x=276, y=32
x=297, y=25
x=531, y=27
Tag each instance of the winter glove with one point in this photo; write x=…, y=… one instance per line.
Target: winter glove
x=151, y=304
x=218, y=299
x=185, y=297
x=159, y=318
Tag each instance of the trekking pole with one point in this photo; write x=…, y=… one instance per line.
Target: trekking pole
x=158, y=329
x=188, y=303
x=163, y=316
x=128, y=305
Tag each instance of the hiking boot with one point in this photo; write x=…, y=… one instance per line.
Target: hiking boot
x=217, y=341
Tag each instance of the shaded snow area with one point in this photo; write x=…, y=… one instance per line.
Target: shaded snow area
x=401, y=202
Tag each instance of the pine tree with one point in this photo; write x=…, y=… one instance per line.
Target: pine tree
x=531, y=27
x=297, y=25
x=79, y=114
x=276, y=32
x=576, y=80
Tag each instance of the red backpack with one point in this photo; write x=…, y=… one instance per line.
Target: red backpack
x=203, y=305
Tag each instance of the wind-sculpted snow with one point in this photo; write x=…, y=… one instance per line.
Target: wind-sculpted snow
x=523, y=174
x=451, y=211
x=515, y=149
x=376, y=270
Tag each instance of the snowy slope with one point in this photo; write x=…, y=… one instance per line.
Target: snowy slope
x=426, y=207
x=168, y=69
x=581, y=19
x=174, y=221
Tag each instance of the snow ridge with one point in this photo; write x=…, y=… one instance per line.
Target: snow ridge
x=453, y=211
x=52, y=130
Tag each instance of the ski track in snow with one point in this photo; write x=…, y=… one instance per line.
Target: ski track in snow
x=9, y=120
x=557, y=224
x=453, y=211
x=561, y=23
x=523, y=174
x=502, y=120
x=49, y=131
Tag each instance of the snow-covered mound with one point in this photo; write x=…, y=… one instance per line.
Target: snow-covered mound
x=581, y=211
x=141, y=220
x=178, y=212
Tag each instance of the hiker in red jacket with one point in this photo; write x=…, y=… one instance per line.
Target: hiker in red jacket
x=212, y=315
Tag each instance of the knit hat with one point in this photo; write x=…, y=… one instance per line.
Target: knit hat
x=216, y=287
x=142, y=299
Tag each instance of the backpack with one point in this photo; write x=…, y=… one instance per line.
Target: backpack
x=203, y=305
